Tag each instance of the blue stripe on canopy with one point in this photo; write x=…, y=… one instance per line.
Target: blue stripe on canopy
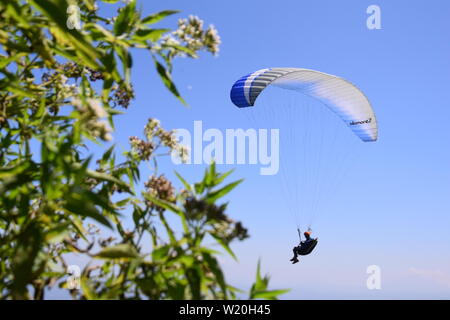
x=237, y=94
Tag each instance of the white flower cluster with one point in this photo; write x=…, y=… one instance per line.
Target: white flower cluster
x=183, y=152
x=191, y=35
x=168, y=138
x=152, y=126
x=63, y=89
x=92, y=115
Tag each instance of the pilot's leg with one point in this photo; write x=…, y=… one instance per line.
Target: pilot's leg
x=295, y=253
x=294, y=259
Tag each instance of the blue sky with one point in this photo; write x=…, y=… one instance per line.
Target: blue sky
x=392, y=210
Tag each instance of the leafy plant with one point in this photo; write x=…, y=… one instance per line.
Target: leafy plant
x=62, y=83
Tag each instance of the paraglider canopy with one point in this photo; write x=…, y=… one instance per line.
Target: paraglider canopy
x=316, y=147
x=339, y=95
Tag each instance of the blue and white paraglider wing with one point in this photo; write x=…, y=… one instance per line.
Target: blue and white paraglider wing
x=339, y=95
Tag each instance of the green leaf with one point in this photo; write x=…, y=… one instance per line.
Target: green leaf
x=171, y=207
x=56, y=12
x=269, y=294
x=15, y=11
x=224, y=245
x=200, y=187
x=210, y=175
x=87, y=289
x=176, y=292
x=164, y=204
x=107, y=155
x=187, y=261
x=107, y=177
x=126, y=19
x=213, y=196
x=260, y=283
x=215, y=269
x=234, y=289
x=28, y=246
x=10, y=171
x=99, y=33
x=167, y=80
x=189, y=52
x=158, y=16
x=82, y=203
x=137, y=215
x=222, y=177
x=18, y=175
x=194, y=278
x=127, y=61
x=23, y=92
x=5, y=61
x=259, y=288
x=148, y=286
x=120, y=251
x=57, y=233
x=160, y=253
x=184, y=182
x=77, y=223
x=149, y=34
